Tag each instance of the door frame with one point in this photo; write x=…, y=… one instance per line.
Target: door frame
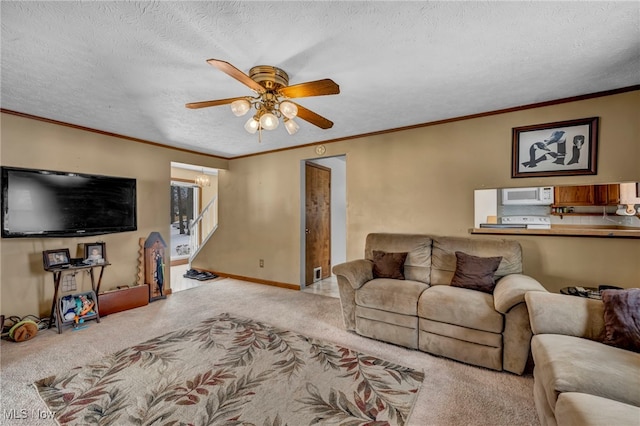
x=197, y=199
x=325, y=224
x=302, y=213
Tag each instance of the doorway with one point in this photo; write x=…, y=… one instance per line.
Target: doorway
x=185, y=202
x=317, y=223
x=323, y=222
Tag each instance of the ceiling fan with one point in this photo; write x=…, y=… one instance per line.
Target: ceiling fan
x=271, y=85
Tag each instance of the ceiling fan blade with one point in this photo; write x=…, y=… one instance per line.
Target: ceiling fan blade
x=234, y=72
x=313, y=118
x=205, y=104
x=311, y=88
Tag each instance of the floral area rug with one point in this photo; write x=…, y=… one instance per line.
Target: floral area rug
x=233, y=371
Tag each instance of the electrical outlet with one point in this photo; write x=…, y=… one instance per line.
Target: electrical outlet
x=262, y=263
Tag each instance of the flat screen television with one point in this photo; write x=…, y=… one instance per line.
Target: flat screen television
x=47, y=203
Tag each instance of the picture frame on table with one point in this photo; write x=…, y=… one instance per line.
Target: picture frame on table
x=59, y=258
x=562, y=148
x=95, y=253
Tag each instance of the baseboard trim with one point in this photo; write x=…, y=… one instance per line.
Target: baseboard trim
x=256, y=280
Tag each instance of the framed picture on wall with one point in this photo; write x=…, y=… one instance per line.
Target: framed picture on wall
x=563, y=148
x=95, y=253
x=56, y=258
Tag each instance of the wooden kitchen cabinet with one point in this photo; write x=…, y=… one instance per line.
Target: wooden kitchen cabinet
x=582, y=195
x=586, y=195
x=606, y=195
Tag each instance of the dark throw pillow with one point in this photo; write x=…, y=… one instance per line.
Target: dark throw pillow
x=475, y=273
x=622, y=318
x=388, y=265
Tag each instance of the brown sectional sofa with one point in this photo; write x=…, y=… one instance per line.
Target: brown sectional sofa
x=424, y=312
x=578, y=380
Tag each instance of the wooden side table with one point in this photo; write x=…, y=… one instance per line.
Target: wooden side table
x=57, y=278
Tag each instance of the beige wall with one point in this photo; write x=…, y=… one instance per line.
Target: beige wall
x=25, y=288
x=422, y=180
x=419, y=180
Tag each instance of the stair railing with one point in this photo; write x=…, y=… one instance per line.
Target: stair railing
x=202, y=228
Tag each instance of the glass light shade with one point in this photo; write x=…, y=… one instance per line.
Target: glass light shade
x=269, y=121
x=240, y=107
x=203, y=180
x=288, y=109
x=251, y=125
x=291, y=126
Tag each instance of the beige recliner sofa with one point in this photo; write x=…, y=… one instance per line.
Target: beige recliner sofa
x=424, y=312
x=578, y=380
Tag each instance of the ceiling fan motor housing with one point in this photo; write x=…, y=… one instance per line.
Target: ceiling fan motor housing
x=271, y=78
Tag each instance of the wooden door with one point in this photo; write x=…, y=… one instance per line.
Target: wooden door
x=317, y=221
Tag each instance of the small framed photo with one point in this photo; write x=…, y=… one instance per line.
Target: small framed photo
x=563, y=148
x=95, y=253
x=56, y=258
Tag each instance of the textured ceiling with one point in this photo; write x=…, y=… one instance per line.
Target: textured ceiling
x=130, y=67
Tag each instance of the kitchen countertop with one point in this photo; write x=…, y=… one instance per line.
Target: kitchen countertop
x=567, y=230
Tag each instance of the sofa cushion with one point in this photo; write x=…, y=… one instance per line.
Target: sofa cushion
x=622, y=318
x=573, y=364
x=471, y=353
x=388, y=265
x=460, y=306
x=417, y=267
x=443, y=257
x=475, y=273
x=398, y=329
x=553, y=313
x=484, y=338
x=407, y=321
x=398, y=296
x=581, y=409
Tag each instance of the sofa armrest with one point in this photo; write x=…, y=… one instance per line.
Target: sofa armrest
x=552, y=313
x=511, y=289
x=356, y=272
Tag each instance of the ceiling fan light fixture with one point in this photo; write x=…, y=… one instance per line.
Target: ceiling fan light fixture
x=240, y=107
x=288, y=109
x=291, y=126
x=252, y=125
x=269, y=121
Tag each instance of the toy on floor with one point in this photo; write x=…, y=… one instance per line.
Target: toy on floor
x=68, y=305
x=23, y=329
x=84, y=306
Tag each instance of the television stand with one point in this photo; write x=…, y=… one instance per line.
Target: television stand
x=57, y=278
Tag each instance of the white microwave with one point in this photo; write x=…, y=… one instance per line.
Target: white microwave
x=542, y=196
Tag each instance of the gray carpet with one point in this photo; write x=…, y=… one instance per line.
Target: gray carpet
x=452, y=393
